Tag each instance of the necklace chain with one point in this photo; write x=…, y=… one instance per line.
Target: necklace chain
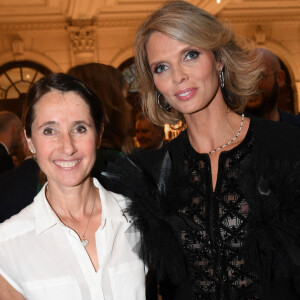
x=228, y=143
x=83, y=240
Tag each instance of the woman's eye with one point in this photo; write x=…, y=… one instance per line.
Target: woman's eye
x=48, y=131
x=80, y=129
x=160, y=68
x=192, y=54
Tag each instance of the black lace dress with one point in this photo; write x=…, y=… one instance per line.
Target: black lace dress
x=213, y=245
x=239, y=241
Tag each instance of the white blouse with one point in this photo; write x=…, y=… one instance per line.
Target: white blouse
x=44, y=260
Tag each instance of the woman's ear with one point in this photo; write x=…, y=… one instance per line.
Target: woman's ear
x=220, y=66
x=218, y=61
x=29, y=143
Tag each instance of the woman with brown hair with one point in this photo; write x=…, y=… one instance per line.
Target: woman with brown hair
x=74, y=241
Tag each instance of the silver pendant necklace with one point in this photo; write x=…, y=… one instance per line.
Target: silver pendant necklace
x=228, y=143
x=83, y=240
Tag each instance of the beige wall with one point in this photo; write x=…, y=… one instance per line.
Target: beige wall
x=59, y=33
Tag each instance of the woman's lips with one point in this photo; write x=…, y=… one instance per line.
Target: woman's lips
x=186, y=94
x=67, y=164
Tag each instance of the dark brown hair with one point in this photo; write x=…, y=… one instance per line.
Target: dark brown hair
x=108, y=83
x=62, y=83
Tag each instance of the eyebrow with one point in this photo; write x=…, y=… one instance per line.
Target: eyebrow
x=181, y=52
x=154, y=64
x=82, y=122
x=49, y=123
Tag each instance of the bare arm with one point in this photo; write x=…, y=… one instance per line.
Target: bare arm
x=8, y=292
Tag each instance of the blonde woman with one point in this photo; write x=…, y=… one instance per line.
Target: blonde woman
x=218, y=207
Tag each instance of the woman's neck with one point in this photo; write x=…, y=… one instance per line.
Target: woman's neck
x=212, y=128
x=71, y=201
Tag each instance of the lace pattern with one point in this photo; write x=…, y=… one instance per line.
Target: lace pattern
x=214, y=250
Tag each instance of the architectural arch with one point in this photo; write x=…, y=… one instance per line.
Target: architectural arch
x=121, y=57
x=16, y=78
x=287, y=57
x=289, y=60
x=31, y=56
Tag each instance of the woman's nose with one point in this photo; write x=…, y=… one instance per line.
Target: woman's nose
x=68, y=144
x=179, y=75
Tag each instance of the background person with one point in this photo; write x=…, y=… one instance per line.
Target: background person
x=74, y=241
x=110, y=86
x=10, y=136
x=265, y=104
x=19, y=186
x=148, y=135
x=218, y=207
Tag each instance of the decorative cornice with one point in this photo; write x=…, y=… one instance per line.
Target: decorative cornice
x=261, y=19
x=119, y=23
x=134, y=22
x=12, y=27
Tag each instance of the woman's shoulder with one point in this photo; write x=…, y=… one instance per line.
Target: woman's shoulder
x=141, y=172
x=18, y=224
x=151, y=158
x=277, y=137
x=270, y=125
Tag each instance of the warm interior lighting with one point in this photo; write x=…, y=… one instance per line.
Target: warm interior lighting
x=218, y=1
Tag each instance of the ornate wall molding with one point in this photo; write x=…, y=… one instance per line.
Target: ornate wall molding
x=9, y=27
x=260, y=19
x=260, y=35
x=83, y=41
x=125, y=22
x=82, y=38
x=18, y=49
x=119, y=23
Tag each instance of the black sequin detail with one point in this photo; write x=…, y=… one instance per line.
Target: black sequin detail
x=214, y=248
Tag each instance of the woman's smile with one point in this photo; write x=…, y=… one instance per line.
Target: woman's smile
x=186, y=94
x=67, y=164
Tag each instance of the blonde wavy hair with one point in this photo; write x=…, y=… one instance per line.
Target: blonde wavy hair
x=191, y=25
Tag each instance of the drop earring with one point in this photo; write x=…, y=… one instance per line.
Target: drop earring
x=222, y=80
x=158, y=99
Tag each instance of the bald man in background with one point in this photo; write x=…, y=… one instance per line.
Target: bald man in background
x=265, y=104
x=149, y=135
x=10, y=138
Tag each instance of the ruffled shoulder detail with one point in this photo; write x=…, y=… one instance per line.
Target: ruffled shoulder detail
x=160, y=247
x=272, y=250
